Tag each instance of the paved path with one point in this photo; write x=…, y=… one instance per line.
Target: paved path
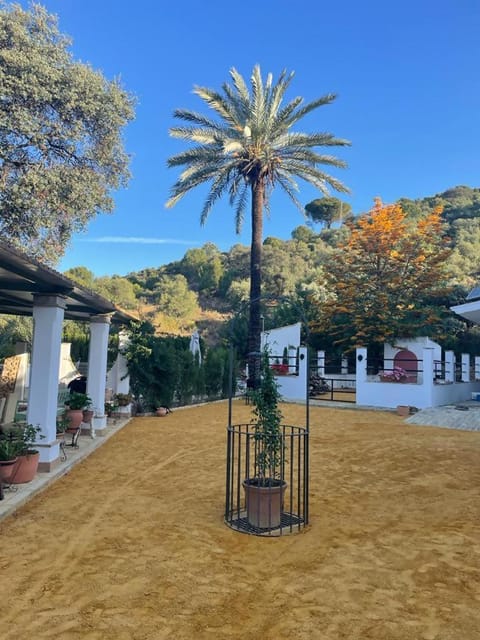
x=464, y=415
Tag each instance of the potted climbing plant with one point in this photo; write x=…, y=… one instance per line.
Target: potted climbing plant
x=265, y=490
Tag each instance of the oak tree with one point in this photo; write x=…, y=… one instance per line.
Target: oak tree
x=61, y=150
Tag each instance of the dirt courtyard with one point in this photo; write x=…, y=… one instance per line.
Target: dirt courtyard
x=131, y=544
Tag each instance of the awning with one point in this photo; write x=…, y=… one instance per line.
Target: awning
x=468, y=310
x=21, y=277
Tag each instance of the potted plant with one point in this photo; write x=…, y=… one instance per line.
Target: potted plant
x=162, y=411
x=62, y=424
x=123, y=399
x=28, y=457
x=76, y=403
x=265, y=490
x=110, y=407
x=9, y=448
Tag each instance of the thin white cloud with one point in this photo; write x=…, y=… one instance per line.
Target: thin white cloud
x=137, y=240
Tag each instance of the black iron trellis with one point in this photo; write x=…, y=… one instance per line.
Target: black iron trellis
x=243, y=449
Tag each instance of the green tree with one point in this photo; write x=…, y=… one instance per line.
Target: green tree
x=464, y=261
x=82, y=275
x=176, y=298
x=237, y=294
x=303, y=234
x=203, y=267
x=248, y=149
x=117, y=289
x=14, y=329
x=61, y=151
x=327, y=210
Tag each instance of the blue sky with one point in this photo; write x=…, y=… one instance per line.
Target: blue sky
x=406, y=74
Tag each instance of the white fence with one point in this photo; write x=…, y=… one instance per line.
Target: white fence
x=431, y=389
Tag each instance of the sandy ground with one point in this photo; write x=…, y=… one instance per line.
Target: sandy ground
x=131, y=544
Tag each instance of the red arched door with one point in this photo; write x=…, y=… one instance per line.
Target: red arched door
x=408, y=361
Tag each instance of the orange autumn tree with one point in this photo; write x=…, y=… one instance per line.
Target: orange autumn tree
x=387, y=280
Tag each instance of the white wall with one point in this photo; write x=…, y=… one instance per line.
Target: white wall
x=278, y=339
x=294, y=387
x=370, y=391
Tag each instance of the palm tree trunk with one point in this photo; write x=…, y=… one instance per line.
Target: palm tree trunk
x=254, y=326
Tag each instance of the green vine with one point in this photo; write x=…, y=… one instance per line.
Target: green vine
x=268, y=419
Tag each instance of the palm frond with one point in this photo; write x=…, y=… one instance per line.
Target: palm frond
x=316, y=177
x=202, y=136
x=311, y=140
x=303, y=111
x=240, y=86
x=312, y=158
x=217, y=189
x=217, y=102
x=258, y=98
x=196, y=118
x=194, y=155
x=290, y=187
x=276, y=95
x=241, y=205
x=241, y=108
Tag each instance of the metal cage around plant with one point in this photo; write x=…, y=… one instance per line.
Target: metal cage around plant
x=271, y=514
x=267, y=461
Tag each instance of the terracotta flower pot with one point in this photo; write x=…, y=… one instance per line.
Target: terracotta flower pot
x=26, y=468
x=7, y=467
x=264, y=504
x=161, y=411
x=403, y=410
x=75, y=418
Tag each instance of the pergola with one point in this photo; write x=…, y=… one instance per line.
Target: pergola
x=30, y=288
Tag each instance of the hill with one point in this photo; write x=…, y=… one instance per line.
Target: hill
x=207, y=286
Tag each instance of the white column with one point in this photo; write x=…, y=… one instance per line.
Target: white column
x=344, y=365
x=321, y=363
x=427, y=367
x=48, y=313
x=302, y=368
x=449, y=366
x=361, y=368
x=97, y=369
x=477, y=367
x=465, y=367
x=292, y=360
x=361, y=386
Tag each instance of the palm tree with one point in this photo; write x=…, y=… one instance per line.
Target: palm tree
x=248, y=149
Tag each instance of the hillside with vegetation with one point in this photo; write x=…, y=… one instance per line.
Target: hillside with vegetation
x=207, y=286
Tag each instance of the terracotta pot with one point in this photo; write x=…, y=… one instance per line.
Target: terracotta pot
x=26, y=468
x=403, y=410
x=75, y=418
x=161, y=411
x=264, y=504
x=7, y=467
